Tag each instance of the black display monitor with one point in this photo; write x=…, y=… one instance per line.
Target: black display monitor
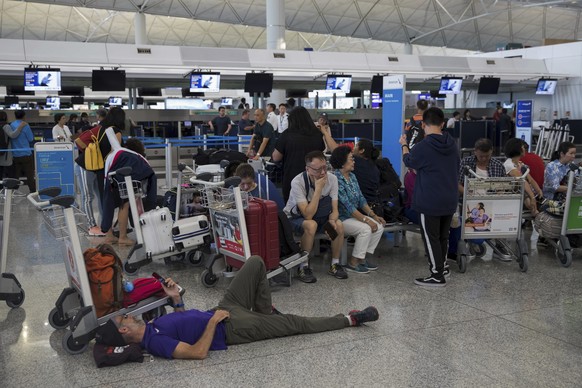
x=72, y=91
x=77, y=100
x=297, y=93
x=205, y=82
x=339, y=82
x=488, y=85
x=53, y=103
x=108, y=81
x=18, y=90
x=42, y=79
x=11, y=100
x=154, y=92
x=259, y=82
x=115, y=101
x=546, y=86
x=450, y=85
x=377, y=84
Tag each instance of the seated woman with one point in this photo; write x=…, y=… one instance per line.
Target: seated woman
x=367, y=173
x=248, y=183
x=357, y=217
x=513, y=167
x=556, y=174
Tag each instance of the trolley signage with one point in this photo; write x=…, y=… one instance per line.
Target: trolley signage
x=54, y=165
x=499, y=216
x=228, y=233
x=523, y=120
x=575, y=214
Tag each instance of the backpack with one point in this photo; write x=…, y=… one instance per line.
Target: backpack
x=4, y=142
x=415, y=133
x=105, y=273
x=286, y=241
x=93, y=158
x=389, y=179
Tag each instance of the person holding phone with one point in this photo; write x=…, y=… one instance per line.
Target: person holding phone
x=245, y=314
x=358, y=219
x=313, y=203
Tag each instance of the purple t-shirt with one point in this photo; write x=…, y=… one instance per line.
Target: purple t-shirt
x=163, y=335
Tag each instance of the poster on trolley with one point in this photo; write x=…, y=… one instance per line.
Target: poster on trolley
x=228, y=234
x=494, y=217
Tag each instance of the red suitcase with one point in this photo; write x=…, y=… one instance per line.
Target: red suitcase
x=263, y=230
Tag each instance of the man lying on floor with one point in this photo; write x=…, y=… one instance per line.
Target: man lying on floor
x=244, y=315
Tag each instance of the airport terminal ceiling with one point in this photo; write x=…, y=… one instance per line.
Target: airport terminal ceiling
x=324, y=25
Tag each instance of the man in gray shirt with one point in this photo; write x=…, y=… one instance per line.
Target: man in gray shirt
x=262, y=143
x=313, y=203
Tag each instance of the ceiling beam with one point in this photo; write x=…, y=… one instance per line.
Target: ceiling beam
x=404, y=26
x=438, y=16
x=321, y=16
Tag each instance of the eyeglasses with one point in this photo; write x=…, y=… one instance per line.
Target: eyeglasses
x=318, y=170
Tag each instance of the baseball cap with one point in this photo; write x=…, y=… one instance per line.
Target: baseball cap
x=108, y=334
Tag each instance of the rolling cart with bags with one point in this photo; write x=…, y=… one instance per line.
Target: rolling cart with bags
x=74, y=309
x=493, y=208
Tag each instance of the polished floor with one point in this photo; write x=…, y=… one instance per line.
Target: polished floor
x=492, y=326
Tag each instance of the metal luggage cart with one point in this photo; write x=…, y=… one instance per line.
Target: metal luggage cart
x=74, y=307
x=572, y=220
x=226, y=206
x=138, y=256
x=11, y=290
x=493, y=210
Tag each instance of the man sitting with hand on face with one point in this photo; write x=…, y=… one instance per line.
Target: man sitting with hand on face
x=244, y=315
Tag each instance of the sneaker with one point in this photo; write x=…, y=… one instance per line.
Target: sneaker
x=360, y=268
x=431, y=281
x=369, y=314
x=95, y=231
x=306, y=275
x=370, y=266
x=447, y=273
x=337, y=271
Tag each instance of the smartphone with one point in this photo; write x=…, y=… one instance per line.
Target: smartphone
x=159, y=278
x=330, y=230
x=163, y=281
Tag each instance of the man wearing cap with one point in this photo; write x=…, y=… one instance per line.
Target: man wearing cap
x=245, y=314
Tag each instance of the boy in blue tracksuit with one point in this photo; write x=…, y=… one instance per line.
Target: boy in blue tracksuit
x=435, y=196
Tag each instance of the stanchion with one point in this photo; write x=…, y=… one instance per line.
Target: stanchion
x=168, y=153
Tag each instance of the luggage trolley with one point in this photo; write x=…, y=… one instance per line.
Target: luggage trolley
x=11, y=290
x=493, y=210
x=180, y=242
x=572, y=220
x=74, y=307
x=226, y=206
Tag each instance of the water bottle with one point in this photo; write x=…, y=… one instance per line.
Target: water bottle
x=127, y=285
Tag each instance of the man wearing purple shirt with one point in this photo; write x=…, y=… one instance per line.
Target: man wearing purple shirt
x=244, y=315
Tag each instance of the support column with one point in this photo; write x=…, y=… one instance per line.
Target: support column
x=276, y=25
x=139, y=26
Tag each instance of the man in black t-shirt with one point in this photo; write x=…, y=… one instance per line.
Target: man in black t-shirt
x=221, y=123
x=262, y=142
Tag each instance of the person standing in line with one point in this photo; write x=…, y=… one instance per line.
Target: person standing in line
x=61, y=131
x=221, y=123
x=6, y=156
x=262, y=143
x=456, y=117
x=22, y=158
x=272, y=117
x=282, y=119
x=436, y=195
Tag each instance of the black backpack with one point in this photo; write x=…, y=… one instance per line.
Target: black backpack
x=389, y=179
x=286, y=241
x=415, y=133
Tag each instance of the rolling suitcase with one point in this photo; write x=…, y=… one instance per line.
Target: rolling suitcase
x=191, y=232
x=156, y=226
x=263, y=229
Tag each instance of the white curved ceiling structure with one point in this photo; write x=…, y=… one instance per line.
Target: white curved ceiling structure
x=325, y=25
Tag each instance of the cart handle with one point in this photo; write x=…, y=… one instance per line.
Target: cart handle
x=469, y=171
x=123, y=171
x=11, y=183
x=50, y=191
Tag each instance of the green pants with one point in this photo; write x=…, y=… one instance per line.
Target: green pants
x=248, y=300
